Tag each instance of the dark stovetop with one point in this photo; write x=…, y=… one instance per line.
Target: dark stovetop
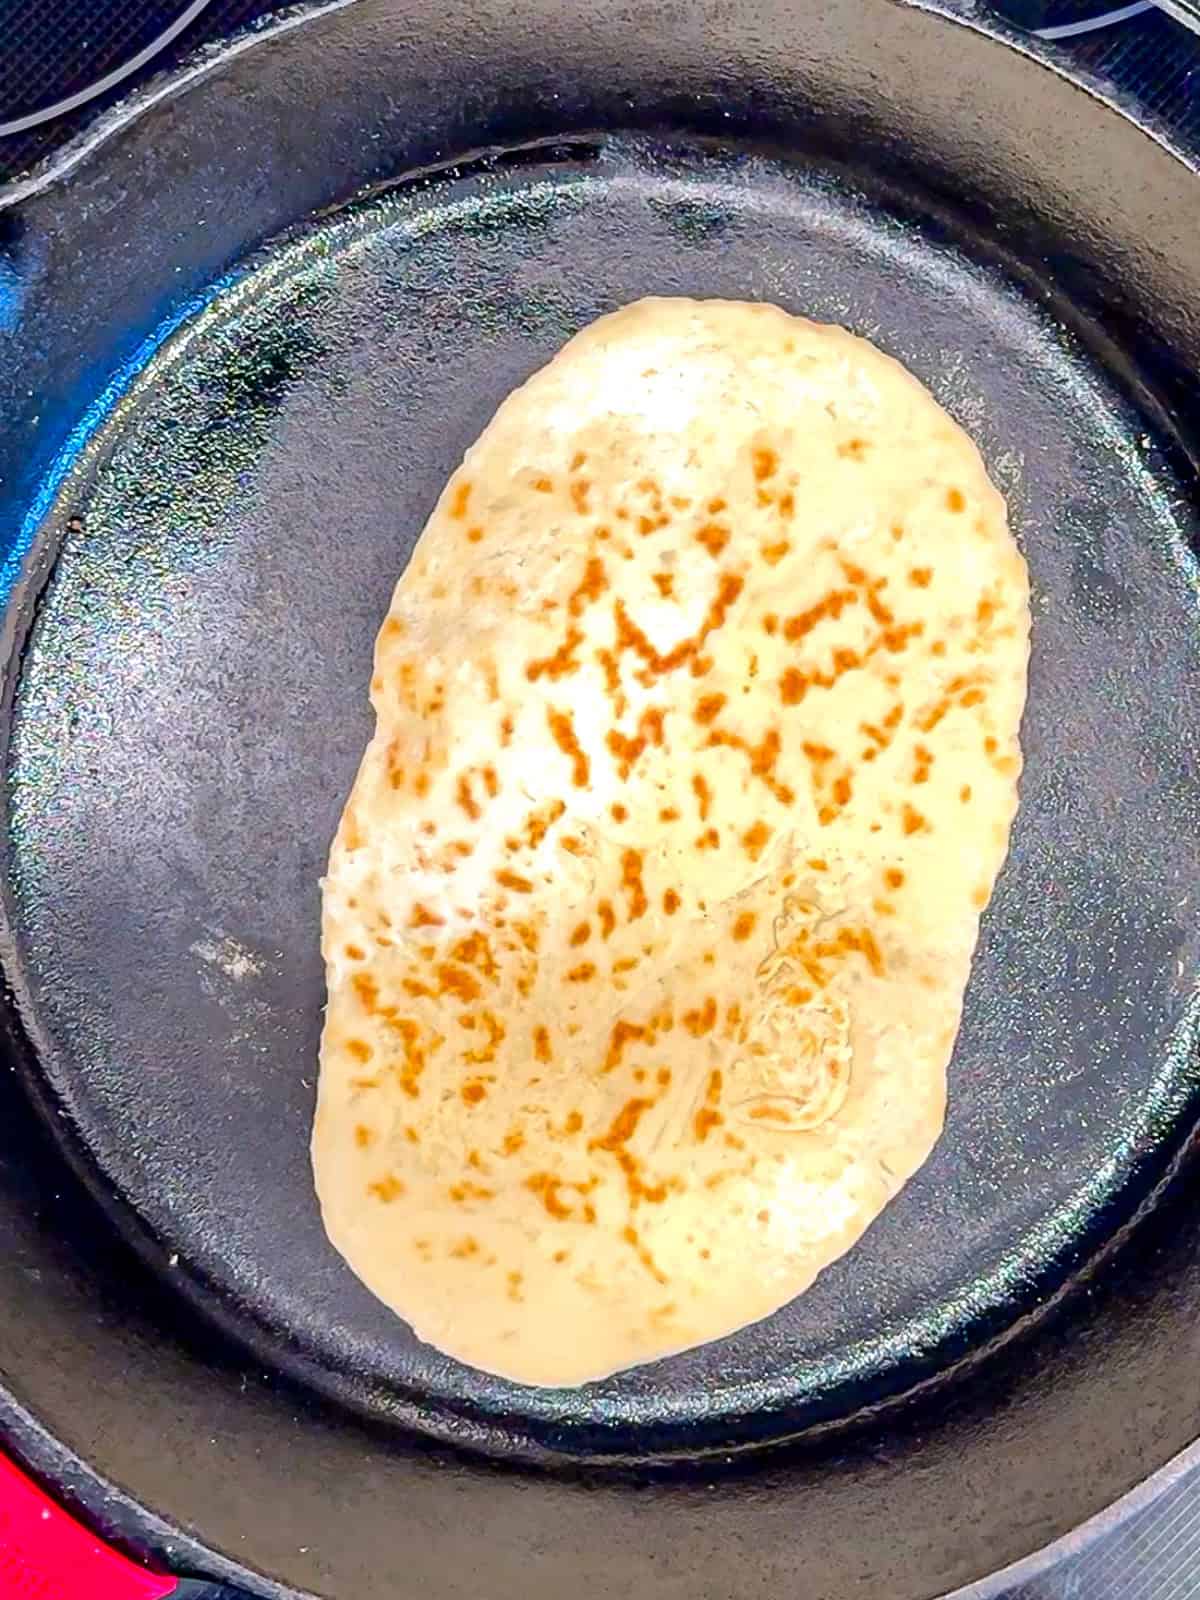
x=56, y=51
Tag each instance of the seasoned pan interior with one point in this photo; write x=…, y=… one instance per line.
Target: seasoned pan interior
x=188, y=704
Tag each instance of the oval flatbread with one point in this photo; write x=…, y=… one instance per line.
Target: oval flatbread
x=649, y=918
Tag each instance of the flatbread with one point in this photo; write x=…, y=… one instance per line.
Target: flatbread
x=649, y=918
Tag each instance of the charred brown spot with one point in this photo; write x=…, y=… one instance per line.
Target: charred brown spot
x=561, y=663
x=713, y=537
x=589, y=588
x=703, y=795
x=460, y=1193
x=631, y=882
x=458, y=982
x=762, y=757
x=546, y=1186
x=862, y=940
x=701, y=1021
x=912, y=820
x=623, y=1034
x=896, y=639
x=562, y=729
x=366, y=989
x=422, y=917
x=793, y=686
x=495, y=1035
x=458, y=502
x=474, y=950
x=614, y=1142
x=755, y=839
x=631, y=637
x=708, y=708
x=626, y=749
x=708, y=1117
x=466, y=799
x=831, y=606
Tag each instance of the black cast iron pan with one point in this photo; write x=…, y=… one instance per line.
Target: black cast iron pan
x=246, y=331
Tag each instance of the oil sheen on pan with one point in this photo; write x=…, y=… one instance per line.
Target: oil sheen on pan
x=649, y=918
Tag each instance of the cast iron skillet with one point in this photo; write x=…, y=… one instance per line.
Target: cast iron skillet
x=245, y=333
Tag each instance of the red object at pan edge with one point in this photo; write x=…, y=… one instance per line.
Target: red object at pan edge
x=45, y=1553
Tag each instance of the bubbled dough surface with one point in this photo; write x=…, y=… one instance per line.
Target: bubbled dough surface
x=649, y=917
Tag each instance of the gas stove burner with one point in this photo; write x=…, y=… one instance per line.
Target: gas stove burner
x=1184, y=10
x=1064, y=20
x=64, y=56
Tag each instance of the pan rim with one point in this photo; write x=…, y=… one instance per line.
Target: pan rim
x=1080, y=1540
x=166, y=85
x=32, y=557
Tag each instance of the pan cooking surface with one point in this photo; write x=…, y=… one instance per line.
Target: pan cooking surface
x=189, y=706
